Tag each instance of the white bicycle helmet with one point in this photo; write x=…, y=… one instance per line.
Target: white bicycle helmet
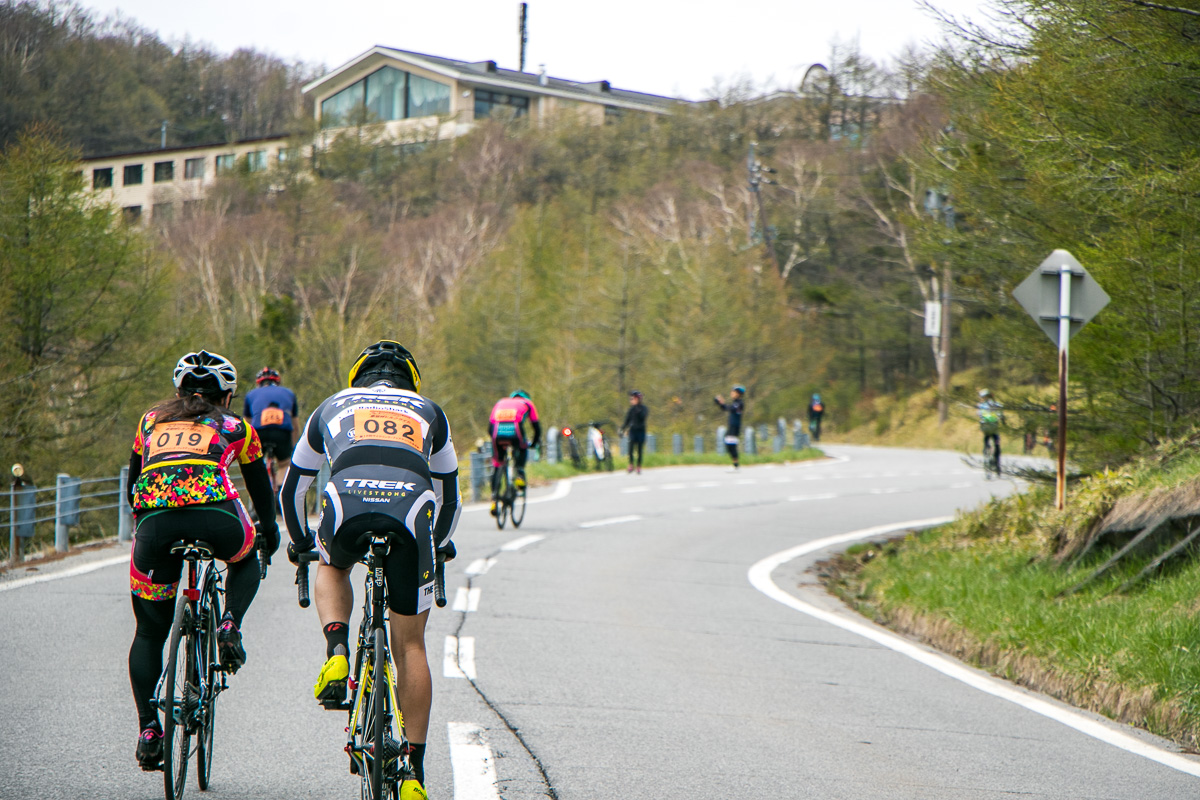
x=206, y=373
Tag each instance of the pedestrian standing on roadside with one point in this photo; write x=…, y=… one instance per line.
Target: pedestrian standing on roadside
x=635, y=426
x=733, y=427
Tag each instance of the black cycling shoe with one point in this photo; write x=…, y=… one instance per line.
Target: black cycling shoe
x=150, y=748
x=229, y=643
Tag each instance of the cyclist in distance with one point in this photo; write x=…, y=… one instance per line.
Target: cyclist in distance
x=635, y=426
x=506, y=427
x=735, y=407
x=816, y=411
x=991, y=414
x=393, y=469
x=179, y=489
x=272, y=410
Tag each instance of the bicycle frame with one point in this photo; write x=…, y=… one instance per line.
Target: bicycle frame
x=204, y=584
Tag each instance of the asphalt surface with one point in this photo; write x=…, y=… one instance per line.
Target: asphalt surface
x=624, y=653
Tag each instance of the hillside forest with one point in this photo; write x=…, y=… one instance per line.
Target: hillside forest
x=579, y=262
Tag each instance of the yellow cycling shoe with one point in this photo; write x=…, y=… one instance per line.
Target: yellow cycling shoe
x=493, y=509
x=412, y=790
x=330, y=688
x=519, y=482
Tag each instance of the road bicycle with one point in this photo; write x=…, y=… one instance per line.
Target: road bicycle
x=375, y=743
x=599, y=446
x=991, y=455
x=194, y=678
x=510, y=500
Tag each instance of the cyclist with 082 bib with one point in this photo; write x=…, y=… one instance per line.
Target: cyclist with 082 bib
x=393, y=471
x=506, y=427
x=180, y=490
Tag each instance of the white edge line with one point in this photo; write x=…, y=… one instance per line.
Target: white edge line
x=472, y=762
x=562, y=488
x=82, y=569
x=760, y=577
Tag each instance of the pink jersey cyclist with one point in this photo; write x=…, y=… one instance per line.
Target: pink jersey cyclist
x=506, y=426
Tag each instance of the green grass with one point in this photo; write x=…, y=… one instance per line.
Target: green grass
x=989, y=588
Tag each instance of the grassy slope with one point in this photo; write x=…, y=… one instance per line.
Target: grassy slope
x=987, y=589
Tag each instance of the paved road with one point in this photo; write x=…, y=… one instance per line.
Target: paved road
x=624, y=653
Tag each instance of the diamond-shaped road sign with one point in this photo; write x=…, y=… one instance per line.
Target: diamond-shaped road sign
x=1039, y=294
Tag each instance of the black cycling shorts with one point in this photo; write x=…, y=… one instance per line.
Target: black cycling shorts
x=404, y=505
x=154, y=571
x=276, y=442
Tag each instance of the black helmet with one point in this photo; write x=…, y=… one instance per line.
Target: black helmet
x=205, y=373
x=266, y=375
x=388, y=359
x=635, y=393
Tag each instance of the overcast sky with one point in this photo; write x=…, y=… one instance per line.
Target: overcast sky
x=671, y=47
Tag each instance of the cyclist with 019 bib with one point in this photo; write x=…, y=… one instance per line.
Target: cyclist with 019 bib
x=179, y=489
x=506, y=427
x=392, y=470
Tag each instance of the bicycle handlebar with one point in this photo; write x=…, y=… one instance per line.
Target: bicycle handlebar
x=439, y=581
x=302, y=577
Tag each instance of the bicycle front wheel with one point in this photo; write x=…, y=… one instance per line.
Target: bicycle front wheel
x=209, y=678
x=174, y=704
x=379, y=715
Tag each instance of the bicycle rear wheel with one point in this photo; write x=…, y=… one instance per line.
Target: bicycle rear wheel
x=502, y=503
x=208, y=679
x=180, y=671
x=518, y=507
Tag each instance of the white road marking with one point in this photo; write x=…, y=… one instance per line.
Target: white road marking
x=466, y=599
x=635, y=489
x=797, y=498
x=561, y=489
x=707, y=484
x=472, y=762
x=760, y=578
x=671, y=486
x=517, y=544
x=480, y=566
x=458, y=657
x=82, y=569
x=610, y=521
x=889, y=490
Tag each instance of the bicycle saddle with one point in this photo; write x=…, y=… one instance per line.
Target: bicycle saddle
x=200, y=548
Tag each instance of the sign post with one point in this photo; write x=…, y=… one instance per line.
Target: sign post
x=1061, y=297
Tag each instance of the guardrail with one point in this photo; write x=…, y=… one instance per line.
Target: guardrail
x=71, y=503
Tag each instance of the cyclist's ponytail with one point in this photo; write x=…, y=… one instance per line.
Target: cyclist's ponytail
x=190, y=406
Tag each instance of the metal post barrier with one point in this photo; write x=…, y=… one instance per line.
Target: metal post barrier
x=477, y=475
x=781, y=428
x=677, y=443
x=762, y=433
x=751, y=441
x=624, y=445
x=61, y=500
x=124, y=512
x=777, y=444
x=798, y=435
x=720, y=438
x=698, y=444
x=552, y=445
x=651, y=443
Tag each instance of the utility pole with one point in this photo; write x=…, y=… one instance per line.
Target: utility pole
x=939, y=207
x=524, y=31
x=757, y=173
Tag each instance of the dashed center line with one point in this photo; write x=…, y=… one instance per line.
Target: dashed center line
x=517, y=544
x=635, y=489
x=480, y=566
x=472, y=762
x=466, y=599
x=610, y=521
x=458, y=658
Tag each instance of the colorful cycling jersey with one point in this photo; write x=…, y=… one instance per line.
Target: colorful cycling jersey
x=508, y=417
x=990, y=415
x=271, y=406
x=185, y=462
x=382, y=444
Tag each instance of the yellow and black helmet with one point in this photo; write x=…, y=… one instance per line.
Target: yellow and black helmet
x=387, y=357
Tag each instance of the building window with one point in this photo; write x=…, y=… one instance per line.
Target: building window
x=486, y=102
x=226, y=163
x=256, y=160
x=427, y=98
x=193, y=168
x=164, y=171
x=162, y=212
x=285, y=155
x=132, y=213
x=386, y=93
x=133, y=174
x=102, y=178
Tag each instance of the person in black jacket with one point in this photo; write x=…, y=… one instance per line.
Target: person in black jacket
x=736, y=407
x=635, y=426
